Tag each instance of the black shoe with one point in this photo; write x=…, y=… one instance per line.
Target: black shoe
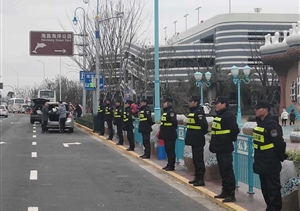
x=109, y=139
x=194, y=180
x=100, y=134
x=129, y=149
x=164, y=167
x=169, y=168
x=222, y=195
x=229, y=199
x=200, y=182
x=142, y=155
x=145, y=157
x=119, y=143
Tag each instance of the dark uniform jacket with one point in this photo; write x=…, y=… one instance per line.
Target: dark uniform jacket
x=168, y=125
x=269, y=146
x=196, y=127
x=101, y=111
x=127, y=119
x=118, y=115
x=108, y=113
x=146, y=122
x=224, y=131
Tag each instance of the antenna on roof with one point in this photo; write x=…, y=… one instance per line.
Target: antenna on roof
x=257, y=10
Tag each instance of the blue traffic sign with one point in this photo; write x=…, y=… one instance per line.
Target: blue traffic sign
x=88, y=76
x=101, y=82
x=81, y=75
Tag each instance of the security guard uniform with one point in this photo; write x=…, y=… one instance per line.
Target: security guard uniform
x=118, y=121
x=108, y=117
x=145, y=128
x=269, y=151
x=100, y=117
x=168, y=133
x=196, y=129
x=224, y=132
x=128, y=125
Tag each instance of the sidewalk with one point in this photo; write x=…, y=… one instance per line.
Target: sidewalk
x=245, y=201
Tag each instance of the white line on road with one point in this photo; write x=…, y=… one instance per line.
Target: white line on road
x=34, y=154
x=34, y=131
x=33, y=209
x=34, y=128
x=33, y=175
x=33, y=136
x=33, y=143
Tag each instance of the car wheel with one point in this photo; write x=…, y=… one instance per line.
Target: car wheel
x=6, y=116
x=71, y=130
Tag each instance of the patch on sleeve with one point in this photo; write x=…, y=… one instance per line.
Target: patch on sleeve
x=171, y=114
x=127, y=113
x=147, y=112
x=274, y=133
x=200, y=116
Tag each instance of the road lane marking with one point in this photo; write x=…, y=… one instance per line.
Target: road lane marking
x=34, y=154
x=33, y=209
x=34, y=128
x=34, y=131
x=33, y=175
x=33, y=136
x=67, y=144
x=33, y=143
x=2, y=142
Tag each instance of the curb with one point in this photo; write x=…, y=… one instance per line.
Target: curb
x=204, y=191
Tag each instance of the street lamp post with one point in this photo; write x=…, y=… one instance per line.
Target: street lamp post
x=165, y=35
x=186, y=20
x=198, y=8
x=175, y=26
x=200, y=83
x=75, y=21
x=156, y=62
x=229, y=6
x=237, y=81
x=17, y=81
x=43, y=67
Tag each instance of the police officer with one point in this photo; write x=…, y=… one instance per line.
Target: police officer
x=128, y=124
x=224, y=132
x=118, y=121
x=108, y=117
x=196, y=129
x=269, y=151
x=168, y=132
x=145, y=127
x=100, y=116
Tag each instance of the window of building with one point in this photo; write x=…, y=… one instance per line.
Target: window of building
x=298, y=87
x=293, y=90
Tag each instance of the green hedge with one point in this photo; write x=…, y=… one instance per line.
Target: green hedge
x=86, y=120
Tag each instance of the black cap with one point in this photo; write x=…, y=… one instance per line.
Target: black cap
x=128, y=102
x=222, y=99
x=168, y=99
x=144, y=100
x=262, y=104
x=119, y=101
x=108, y=100
x=195, y=99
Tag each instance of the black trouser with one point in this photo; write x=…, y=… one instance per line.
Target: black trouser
x=120, y=133
x=226, y=172
x=198, y=160
x=101, y=124
x=130, y=139
x=44, y=126
x=283, y=122
x=170, y=151
x=146, y=143
x=110, y=128
x=62, y=124
x=270, y=188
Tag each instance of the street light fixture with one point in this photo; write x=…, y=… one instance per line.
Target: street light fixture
x=43, y=67
x=200, y=83
x=237, y=81
x=17, y=82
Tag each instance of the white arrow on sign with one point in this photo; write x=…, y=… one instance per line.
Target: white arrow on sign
x=67, y=144
x=60, y=51
x=2, y=142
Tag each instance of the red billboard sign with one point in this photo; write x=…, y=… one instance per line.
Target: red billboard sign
x=51, y=43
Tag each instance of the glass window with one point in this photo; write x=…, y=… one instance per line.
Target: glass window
x=19, y=101
x=46, y=94
x=293, y=91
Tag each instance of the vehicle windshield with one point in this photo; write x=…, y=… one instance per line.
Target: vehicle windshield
x=24, y=106
x=19, y=101
x=46, y=94
x=2, y=107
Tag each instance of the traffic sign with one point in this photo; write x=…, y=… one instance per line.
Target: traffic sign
x=88, y=77
x=51, y=43
x=81, y=75
x=101, y=82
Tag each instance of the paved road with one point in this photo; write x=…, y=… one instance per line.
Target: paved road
x=39, y=173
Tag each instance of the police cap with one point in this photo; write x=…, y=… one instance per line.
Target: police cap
x=168, y=99
x=194, y=99
x=128, y=102
x=262, y=104
x=222, y=99
x=144, y=100
x=119, y=101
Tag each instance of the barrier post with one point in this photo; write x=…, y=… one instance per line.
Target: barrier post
x=250, y=166
x=236, y=163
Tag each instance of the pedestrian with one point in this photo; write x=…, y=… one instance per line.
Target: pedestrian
x=269, y=152
x=78, y=110
x=100, y=117
x=45, y=117
x=128, y=124
x=292, y=117
x=145, y=127
x=108, y=117
x=274, y=113
x=284, y=117
x=118, y=121
x=62, y=112
x=168, y=133
x=196, y=129
x=224, y=131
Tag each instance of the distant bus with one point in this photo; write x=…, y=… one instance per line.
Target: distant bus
x=47, y=94
x=15, y=104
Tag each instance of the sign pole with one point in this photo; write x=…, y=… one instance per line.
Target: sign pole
x=84, y=65
x=60, y=78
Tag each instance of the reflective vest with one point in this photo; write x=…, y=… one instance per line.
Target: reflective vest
x=116, y=114
x=107, y=111
x=164, y=122
x=259, y=139
x=99, y=109
x=125, y=117
x=142, y=116
x=191, y=123
x=216, y=128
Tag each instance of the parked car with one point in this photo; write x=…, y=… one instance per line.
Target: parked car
x=36, y=110
x=23, y=108
x=3, y=111
x=53, y=122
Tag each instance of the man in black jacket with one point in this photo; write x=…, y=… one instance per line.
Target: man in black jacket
x=100, y=116
x=108, y=117
x=168, y=133
x=118, y=121
x=269, y=152
x=145, y=127
x=224, y=131
x=128, y=124
x=196, y=129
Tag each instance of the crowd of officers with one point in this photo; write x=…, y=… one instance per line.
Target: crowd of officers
x=268, y=142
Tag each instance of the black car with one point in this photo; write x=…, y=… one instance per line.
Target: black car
x=36, y=110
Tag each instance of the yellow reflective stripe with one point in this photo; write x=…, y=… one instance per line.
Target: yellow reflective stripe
x=255, y=146
x=220, y=132
x=216, y=125
x=193, y=127
x=117, y=116
x=125, y=120
x=259, y=129
x=107, y=112
x=191, y=115
x=258, y=137
x=143, y=119
x=167, y=124
x=264, y=147
x=218, y=119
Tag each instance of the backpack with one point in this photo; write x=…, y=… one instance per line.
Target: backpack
x=134, y=108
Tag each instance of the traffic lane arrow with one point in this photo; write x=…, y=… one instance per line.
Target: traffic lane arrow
x=2, y=142
x=60, y=51
x=67, y=144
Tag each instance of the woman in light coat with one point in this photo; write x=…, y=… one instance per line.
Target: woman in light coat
x=284, y=117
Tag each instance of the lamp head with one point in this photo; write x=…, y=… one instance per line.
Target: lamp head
x=234, y=71
x=75, y=21
x=246, y=70
x=86, y=1
x=208, y=76
x=198, y=76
